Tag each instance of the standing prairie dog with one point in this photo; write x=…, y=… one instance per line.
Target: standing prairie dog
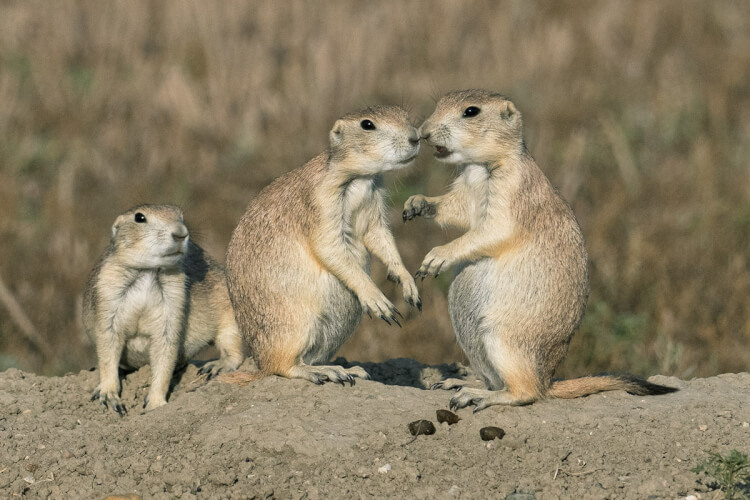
x=521, y=278
x=156, y=298
x=298, y=262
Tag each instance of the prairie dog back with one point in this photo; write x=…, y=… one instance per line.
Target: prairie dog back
x=157, y=298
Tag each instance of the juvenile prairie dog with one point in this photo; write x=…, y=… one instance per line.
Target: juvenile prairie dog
x=157, y=298
x=298, y=262
x=521, y=274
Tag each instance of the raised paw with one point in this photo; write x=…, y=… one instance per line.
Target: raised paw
x=411, y=293
x=110, y=399
x=380, y=306
x=418, y=205
x=436, y=261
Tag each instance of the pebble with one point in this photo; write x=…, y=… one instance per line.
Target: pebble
x=384, y=469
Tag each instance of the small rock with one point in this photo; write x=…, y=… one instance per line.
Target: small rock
x=419, y=427
x=455, y=490
x=490, y=433
x=447, y=416
x=384, y=469
x=703, y=427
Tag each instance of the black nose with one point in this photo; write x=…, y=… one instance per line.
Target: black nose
x=413, y=141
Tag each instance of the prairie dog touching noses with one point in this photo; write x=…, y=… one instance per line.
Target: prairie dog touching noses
x=521, y=274
x=298, y=262
x=156, y=298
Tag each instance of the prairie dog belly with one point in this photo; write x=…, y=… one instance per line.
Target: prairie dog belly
x=468, y=302
x=340, y=313
x=141, y=314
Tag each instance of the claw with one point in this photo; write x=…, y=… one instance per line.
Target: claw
x=439, y=268
x=351, y=381
x=419, y=305
x=398, y=312
x=436, y=385
x=385, y=319
x=396, y=321
x=368, y=313
x=404, y=216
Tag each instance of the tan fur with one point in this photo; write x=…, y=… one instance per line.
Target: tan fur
x=156, y=298
x=298, y=261
x=521, y=281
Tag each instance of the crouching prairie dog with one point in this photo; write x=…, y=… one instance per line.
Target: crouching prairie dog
x=521, y=274
x=298, y=262
x=155, y=297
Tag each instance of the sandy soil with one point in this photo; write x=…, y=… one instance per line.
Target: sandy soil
x=279, y=438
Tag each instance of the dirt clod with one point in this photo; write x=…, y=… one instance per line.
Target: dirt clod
x=490, y=433
x=421, y=427
x=447, y=416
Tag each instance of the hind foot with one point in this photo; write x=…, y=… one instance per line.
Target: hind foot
x=322, y=374
x=217, y=366
x=482, y=398
x=450, y=384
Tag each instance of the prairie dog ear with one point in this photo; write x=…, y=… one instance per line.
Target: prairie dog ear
x=116, y=226
x=509, y=111
x=337, y=133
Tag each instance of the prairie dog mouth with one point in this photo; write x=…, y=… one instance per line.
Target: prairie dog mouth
x=407, y=160
x=441, y=152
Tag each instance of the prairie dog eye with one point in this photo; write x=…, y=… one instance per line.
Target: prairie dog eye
x=471, y=111
x=140, y=218
x=367, y=125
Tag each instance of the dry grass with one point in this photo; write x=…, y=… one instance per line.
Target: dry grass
x=638, y=111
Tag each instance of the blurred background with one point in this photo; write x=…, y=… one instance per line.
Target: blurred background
x=639, y=112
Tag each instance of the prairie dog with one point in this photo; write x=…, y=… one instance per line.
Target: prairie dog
x=298, y=261
x=521, y=275
x=157, y=298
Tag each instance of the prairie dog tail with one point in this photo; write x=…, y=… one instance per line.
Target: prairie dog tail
x=240, y=378
x=583, y=386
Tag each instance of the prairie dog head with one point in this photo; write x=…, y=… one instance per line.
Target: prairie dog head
x=374, y=140
x=150, y=236
x=473, y=126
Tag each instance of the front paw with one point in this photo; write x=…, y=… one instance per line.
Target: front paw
x=411, y=293
x=379, y=305
x=110, y=398
x=436, y=261
x=418, y=205
x=153, y=401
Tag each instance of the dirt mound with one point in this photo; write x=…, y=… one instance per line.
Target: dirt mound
x=292, y=439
